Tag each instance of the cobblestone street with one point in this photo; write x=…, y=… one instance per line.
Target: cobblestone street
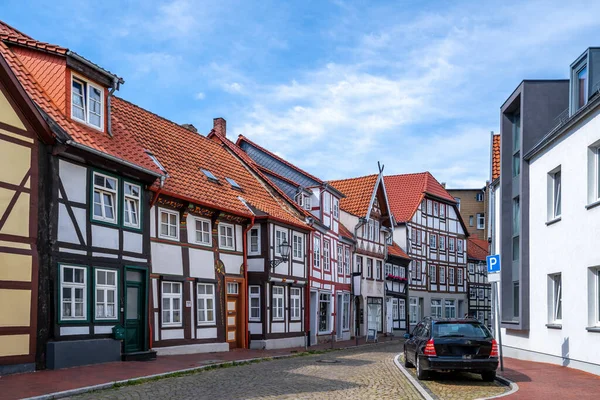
x=363, y=373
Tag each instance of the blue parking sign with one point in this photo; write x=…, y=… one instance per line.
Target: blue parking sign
x=493, y=263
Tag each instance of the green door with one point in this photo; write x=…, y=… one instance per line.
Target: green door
x=134, y=311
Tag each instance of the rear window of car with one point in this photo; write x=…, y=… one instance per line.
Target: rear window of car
x=460, y=329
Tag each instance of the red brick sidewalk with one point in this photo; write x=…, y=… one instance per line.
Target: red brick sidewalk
x=46, y=382
x=548, y=381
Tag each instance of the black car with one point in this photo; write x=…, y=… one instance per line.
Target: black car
x=451, y=345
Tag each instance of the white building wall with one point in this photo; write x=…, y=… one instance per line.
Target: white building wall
x=569, y=247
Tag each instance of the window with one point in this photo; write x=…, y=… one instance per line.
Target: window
x=516, y=298
x=209, y=175
x=73, y=289
x=203, y=231
x=594, y=173
x=206, y=302
x=131, y=205
x=433, y=241
x=450, y=308
x=436, y=308
x=402, y=272
x=516, y=138
x=442, y=274
x=457, y=199
x=105, y=198
x=169, y=224
x=555, y=297
x=347, y=261
x=336, y=208
x=298, y=246
x=295, y=303
x=389, y=269
x=418, y=270
x=432, y=273
x=554, y=194
x=418, y=235
x=424, y=206
x=480, y=293
x=106, y=294
x=595, y=286
x=226, y=236
x=471, y=268
x=324, y=312
x=451, y=244
x=436, y=208
x=317, y=253
x=471, y=220
x=340, y=258
x=254, y=239
x=87, y=103
x=233, y=288
x=480, y=221
x=281, y=236
x=254, y=294
x=378, y=267
x=326, y=203
x=377, y=232
x=429, y=207
x=450, y=275
x=307, y=202
x=442, y=211
x=579, y=86
x=401, y=309
x=459, y=245
x=171, y=303
x=278, y=302
x=359, y=265
x=369, y=267
x=413, y=310
x=346, y=312
x=326, y=257
x=460, y=276
x=442, y=243
x=479, y=197
x=371, y=230
x=233, y=184
x=516, y=225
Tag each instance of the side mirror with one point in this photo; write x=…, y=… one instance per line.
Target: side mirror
x=407, y=336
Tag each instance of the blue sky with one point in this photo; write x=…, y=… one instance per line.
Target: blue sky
x=332, y=86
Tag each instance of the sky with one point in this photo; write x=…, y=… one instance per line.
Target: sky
x=331, y=86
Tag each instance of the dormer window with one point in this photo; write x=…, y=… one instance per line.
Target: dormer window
x=209, y=175
x=87, y=103
x=233, y=184
x=303, y=201
x=581, y=87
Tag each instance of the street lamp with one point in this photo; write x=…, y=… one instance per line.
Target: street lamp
x=284, y=251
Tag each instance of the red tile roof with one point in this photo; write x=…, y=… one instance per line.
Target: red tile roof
x=397, y=251
x=406, y=191
x=10, y=34
x=495, y=157
x=358, y=193
x=477, y=249
x=345, y=232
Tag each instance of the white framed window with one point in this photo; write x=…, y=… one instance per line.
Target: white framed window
x=303, y=201
x=471, y=220
x=461, y=277
x=347, y=261
x=432, y=273
x=324, y=312
x=442, y=210
x=233, y=288
x=106, y=293
x=369, y=267
x=593, y=176
x=480, y=221
x=298, y=246
x=442, y=243
x=254, y=240
x=295, y=301
x=471, y=268
x=307, y=205
x=436, y=208
x=131, y=205
x=202, y=228
x=281, y=235
x=429, y=207
x=169, y=224
x=451, y=275
x=378, y=268
x=326, y=203
x=433, y=241
x=206, y=303
x=554, y=194
x=450, y=308
x=451, y=244
x=278, y=302
x=326, y=255
x=479, y=197
x=389, y=269
x=377, y=232
x=555, y=298
x=413, y=310
x=254, y=302
x=171, y=303
x=87, y=103
x=436, y=308
x=336, y=208
x=73, y=293
x=340, y=260
x=419, y=270
x=346, y=312
x=105, y=198
x=594, y=294
x=371, y=230
x=401, y=309
x=317, y=253
x=226, y=237
x=459, y=245
x=442, y=274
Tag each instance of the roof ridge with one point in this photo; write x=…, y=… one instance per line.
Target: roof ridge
x=10, y=27
x=350, y=179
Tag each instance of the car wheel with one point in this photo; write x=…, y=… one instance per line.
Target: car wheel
x=421, y=374
x=407, y=363
x=488, y=376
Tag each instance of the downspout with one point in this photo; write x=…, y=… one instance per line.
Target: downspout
x=108, y=104
x=245, y=311
x=150, y=313
x=163, y=178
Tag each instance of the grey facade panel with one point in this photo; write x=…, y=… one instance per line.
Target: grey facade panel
x=74, y=353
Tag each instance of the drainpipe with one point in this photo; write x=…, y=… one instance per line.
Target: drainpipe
x=108, y=104
x=307, y=310
x=163, y=178
x=245, y=309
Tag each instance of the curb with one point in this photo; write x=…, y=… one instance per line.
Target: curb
x=506, y=382
x=109, y=385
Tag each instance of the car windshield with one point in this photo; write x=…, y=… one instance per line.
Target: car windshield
x=460, y=329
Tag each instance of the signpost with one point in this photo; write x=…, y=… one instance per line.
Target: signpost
x=493, y=269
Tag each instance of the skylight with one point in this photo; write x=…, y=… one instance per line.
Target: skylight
x=155, y=160
x=209, y=175
x=234, y=184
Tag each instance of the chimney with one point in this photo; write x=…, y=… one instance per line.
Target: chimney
x=190, y=127
x=220, y=126
x=444, y=185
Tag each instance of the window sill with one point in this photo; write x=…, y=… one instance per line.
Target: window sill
x=171, y=326
x=208, y=325
x=173, y=239
x=592, y=205
x=593, y=329
x=553, y=221
x=554, y=326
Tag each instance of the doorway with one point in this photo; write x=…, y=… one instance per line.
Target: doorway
x=313, y=318
x=135, y=310
x=233, y=325
x=339, y=316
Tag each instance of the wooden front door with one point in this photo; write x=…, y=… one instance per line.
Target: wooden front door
x=134, y=311
x=233, y=334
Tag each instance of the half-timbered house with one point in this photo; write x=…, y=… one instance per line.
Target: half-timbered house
x=93, y=214
x=330, y=258
x=429, y=228
x=22, y=133
x=396, y=289
x=365, y=211
x=478, y=288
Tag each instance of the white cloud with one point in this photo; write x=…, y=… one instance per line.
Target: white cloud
x=200, y=96
x=233, y=87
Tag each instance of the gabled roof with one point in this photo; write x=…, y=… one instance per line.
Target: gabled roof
x=495, y=157
x=406, y=191
x=358, y=193
x=397, y=251
x=477, y=249
x=345, y=232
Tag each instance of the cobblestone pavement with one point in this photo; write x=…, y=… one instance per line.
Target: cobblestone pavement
x=458, y=385
x=361, y=373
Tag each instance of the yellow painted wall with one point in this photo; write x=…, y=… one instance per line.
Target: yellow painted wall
x=16, y=307
x=15, y=267
x=8, y=115
x=18, y=220
x=15, y=161
x=14, y=345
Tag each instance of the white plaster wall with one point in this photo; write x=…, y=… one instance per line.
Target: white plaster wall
x=206, y=333
x=278, y=327
x=295, y=326
x=239, y=244
x=232, y=263
x=106, y=237
x=256, y=264
x=298, y=270
x=153, y=222
x=167, y=334
x=133, y=242
x=569, y=246
x=66, y=230
x=349, y=220
x=255, y=328
x=166, y=259
x=74, y=179
x=202, y=264
x=400, y=236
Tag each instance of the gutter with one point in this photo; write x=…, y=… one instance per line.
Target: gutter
x=113, y=77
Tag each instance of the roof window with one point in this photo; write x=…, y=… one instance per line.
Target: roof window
x=233, y=184
x=209, y=175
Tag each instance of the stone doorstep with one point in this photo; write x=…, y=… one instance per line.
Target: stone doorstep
x=108, y=385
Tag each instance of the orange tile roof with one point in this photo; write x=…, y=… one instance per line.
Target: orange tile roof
x=397, y=251
x=406, y=191
x=358, y=193
x=495, y=157
x=10, y=34
x=477, y=249
x=183, y=153
x=345, y=232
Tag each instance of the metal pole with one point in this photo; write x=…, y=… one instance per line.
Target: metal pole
x=497, y=314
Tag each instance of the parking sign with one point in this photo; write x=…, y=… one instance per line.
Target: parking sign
x=493, y=267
